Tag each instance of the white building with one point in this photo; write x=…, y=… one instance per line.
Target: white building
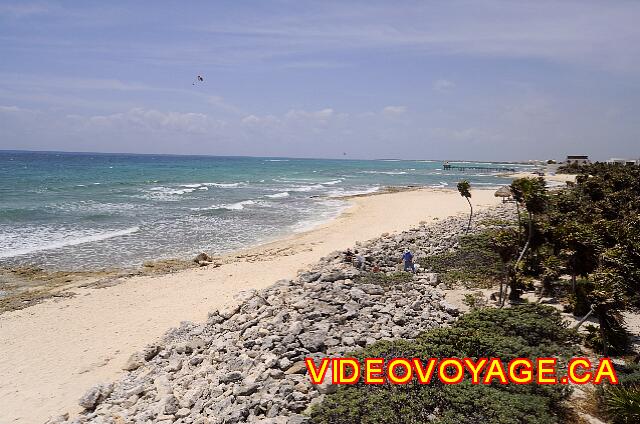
x=577, y=159
x=624, y=161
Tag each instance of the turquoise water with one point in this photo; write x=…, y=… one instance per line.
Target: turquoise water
x=93, y=211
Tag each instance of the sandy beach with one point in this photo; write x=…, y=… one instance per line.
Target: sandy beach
x=556, y=178
x=51, y=353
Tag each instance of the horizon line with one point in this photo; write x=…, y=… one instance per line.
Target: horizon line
x=263, y=157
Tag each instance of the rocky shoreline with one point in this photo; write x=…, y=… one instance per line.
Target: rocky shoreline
x=246, y=363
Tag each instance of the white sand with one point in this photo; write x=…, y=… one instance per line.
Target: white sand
x=51, y=353
x=559, y=178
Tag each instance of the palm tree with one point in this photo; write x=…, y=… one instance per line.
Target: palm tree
x=504, y=243
x=532, y=193
x=464, y=188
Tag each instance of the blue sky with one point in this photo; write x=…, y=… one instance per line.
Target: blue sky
x=481, y=79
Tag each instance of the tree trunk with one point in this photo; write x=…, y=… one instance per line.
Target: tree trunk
x=603, y=336
x=584, y=318
x=512, y=285
x=470, y=215
x=505, y=291
x=526, y=246
x=573, y=283
x=519, y=223
x=502, y=284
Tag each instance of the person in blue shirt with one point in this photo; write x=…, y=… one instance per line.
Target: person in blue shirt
x=408, y=261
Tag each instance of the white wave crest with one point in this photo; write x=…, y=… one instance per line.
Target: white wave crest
x=70, y=241
x=306, y=188
x=238, y=206
x=335, y=194
x=384, y=172
x=169, y=190
x=334, y=182
x=278, y=195
x=224, y=185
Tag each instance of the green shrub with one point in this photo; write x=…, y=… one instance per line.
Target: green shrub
x=617, y=340
x=474, y=300
x=580, y=301
x=475, y=262
x=385, y=280
x=524, y=331
x=623, y=403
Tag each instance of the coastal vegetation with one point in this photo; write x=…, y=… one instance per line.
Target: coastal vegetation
x=464, y=188
x=523, y=331
x=475, y=262
x=590, y=232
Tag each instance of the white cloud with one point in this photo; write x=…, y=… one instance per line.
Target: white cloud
x=321, y=115
x=293, y=117
x=154, y=120
x=253, y=120
x=394, y=110
x=10, y=109
x=443, y=85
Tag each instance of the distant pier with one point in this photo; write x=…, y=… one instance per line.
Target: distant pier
x=447, y=166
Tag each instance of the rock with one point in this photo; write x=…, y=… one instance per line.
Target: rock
x=431, y=277
x=357, y=293
x=313, y=340
x=372, y=289
x=183, y=347
x=449, y=308
x=284, y=363
x=150, y=351
x=95, y=396
x=246, y=389
x=183, y=412
x=230, y=377
x=327, y=387
x=399, y=318
x=309, y=277
x=196, y=360
x=202, y=257
x=60, y=419
x=273, y=411
x=174, y=365
x=191, y=396
x=297, y=368
x=170, y=405
x=229, y=311
x=134, y=362
x=333, y=276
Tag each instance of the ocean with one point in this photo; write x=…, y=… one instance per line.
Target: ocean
x=88, y=211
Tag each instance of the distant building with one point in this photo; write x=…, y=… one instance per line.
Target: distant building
x=578, y=160
x=624, y=161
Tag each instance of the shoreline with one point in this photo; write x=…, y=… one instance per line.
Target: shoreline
x=33, y=284
x=135, y=268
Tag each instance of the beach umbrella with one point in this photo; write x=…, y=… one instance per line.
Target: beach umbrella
x=504, y=192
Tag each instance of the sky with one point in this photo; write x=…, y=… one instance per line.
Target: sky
x=477, y=80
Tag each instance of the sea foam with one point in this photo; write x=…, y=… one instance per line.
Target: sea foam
x=72, y=241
